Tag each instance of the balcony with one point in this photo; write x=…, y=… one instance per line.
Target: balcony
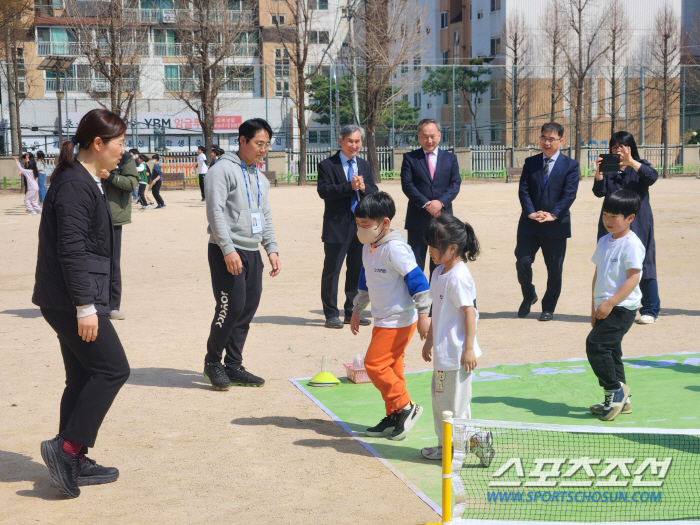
x=57, y=48
x=183, y=16
x=161, y=49
x=186, y=85
x=128, y=49
x=85, y=85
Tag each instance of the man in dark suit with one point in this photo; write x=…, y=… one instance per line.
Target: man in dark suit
x=430, y=179
x=343, y=180
x=548, y=187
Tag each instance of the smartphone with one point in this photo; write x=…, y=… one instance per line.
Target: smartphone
x=610, y=162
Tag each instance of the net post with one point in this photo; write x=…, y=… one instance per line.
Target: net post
x=446, y=467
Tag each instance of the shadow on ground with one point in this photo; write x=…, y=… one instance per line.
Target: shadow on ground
x=18, y=468
x=168, y=378
x=25, y=313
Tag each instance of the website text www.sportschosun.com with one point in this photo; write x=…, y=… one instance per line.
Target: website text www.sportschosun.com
x=565, y=496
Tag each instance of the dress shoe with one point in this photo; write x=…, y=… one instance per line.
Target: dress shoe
x=333, y=322
x=525, y=307
x=546, y=316
x=363, y=322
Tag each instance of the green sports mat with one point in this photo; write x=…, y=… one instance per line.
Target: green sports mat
x=665, y=395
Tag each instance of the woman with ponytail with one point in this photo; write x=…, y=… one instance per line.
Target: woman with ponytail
x=452, y=335
x=72, y=289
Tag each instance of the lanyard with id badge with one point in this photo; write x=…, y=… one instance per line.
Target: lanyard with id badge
x=255, y=216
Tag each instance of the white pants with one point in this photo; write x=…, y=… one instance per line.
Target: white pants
x=451, y=390
x=30, y=200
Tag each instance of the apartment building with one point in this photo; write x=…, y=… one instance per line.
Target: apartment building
x=258, y=71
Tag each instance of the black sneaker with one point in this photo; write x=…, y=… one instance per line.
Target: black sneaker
x=405, y=419
x=385, y=427
x=90, y=473
x=215, y=373
x=63, y=467
x=241, y=377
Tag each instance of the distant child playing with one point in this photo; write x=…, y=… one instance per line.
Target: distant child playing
x=453, y=332
x=616, y=297
x=397, y=288
x=31, y=176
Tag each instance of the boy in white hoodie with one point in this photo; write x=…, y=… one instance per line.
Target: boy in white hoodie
x=397, y=288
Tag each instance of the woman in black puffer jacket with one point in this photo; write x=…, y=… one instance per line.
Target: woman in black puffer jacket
x=73, y=290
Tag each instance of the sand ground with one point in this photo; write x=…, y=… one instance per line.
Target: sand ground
x=188, y=454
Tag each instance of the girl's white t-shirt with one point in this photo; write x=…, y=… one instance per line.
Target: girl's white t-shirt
x=449, y=292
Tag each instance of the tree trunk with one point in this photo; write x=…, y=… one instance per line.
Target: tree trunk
x=577, y=118
x=301, y=123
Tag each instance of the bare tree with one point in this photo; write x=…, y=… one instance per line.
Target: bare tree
x=616, y=32
x=555, y=32
x=14, y=25
x=298, y=42
x=582, y=54
x=665, y=50
x=517, y=39
x=113, y=43
x=387, y=38
x=208, y=38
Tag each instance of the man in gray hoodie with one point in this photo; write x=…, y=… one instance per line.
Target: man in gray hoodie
x=240, y=220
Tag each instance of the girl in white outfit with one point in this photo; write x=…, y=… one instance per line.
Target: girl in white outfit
x=452, y=335
x=31, y=175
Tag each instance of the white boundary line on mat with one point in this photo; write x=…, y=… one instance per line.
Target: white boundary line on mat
x=370, y=449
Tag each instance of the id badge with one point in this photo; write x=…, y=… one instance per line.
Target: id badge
x=256, y=221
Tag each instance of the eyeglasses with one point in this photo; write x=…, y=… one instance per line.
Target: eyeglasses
x=265, y=145
x=549, y=140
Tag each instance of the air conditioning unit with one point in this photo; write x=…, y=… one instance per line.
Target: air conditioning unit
x=169, y=17
x=100, y=86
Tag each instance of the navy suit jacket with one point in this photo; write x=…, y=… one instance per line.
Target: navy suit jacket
x=556, y=196
x=335, y=189
x=420, y=188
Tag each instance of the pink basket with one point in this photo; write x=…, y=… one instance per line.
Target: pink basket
x=356, y=375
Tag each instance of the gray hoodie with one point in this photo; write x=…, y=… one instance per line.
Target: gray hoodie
x=229, y=206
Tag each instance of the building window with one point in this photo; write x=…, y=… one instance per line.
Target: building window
x=404, y=67
x=278, y=19
x=445, y=57
x=180, y=78
x=318, y=4
x=479, y=15
x=416, y=63
x=405, y=98
x=417, y=100
x=239, y=79
x=470, y=11
x=429, y=105
x=281, y=72
x=496, y=135
x=495, y=90
x=443, y=20
x=321, y=137
x=445, y=98
x=495, y=46
x=56, y=41
x=495, y=5
x=319, y=37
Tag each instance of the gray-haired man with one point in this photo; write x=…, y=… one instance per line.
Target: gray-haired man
x=343, y=180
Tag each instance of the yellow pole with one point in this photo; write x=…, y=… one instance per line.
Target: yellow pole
x=446, y=467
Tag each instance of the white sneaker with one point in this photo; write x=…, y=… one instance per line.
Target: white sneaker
x=432, y=452
x=646, y=319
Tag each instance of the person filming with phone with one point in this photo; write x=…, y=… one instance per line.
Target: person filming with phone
x=624, y=169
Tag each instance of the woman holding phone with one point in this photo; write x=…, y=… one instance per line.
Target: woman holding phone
x=637, y=175
x=72, y=289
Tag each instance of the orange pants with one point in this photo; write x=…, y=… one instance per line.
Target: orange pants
x=384, y=364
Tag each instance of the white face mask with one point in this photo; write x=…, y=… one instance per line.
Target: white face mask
x=368, y=235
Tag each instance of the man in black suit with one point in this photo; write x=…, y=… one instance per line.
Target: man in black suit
x=548, y=187
x=430, y=179
x=343, y=180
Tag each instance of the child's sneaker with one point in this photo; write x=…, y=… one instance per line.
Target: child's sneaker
x=614, y=401
x=384, y=428
x=598, y=408
x=432, y=452
x=405, y=419
x=481, y=443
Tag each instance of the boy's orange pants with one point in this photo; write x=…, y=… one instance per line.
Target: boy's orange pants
x=384, y=364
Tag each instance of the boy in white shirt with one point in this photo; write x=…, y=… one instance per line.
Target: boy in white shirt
x=202, y=168
x=398, y=290
x=616, y=298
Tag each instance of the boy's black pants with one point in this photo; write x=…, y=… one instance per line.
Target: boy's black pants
x=237, y=299
x=155, y=189
x=604, y=347
x=94, y=374
x=142, y=194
